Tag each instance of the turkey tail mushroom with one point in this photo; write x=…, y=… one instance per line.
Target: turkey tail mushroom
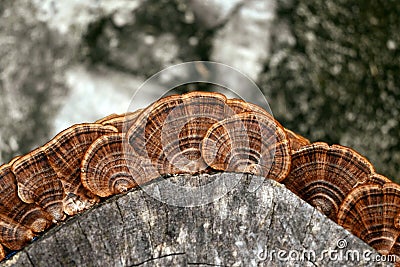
x=108, y=169
x=11, y=206
x=108, y=118
x=378, y=179
x=38, y=183
x=239, y=106
x=372, y=212
x=296, y=141
x=170, y=131
x=248, y=142
x=191, y=133
x=13, y=235
x=121, y=122
x=65, y=153
x=323, y=175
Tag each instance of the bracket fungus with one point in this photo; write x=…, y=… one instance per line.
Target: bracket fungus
x=29, y=215
x=2, y=252
x=13, y=235
x=38, y=183
x=296, y=141
x=324, y=175
x=191, y=133
x=121, y=122
x=239, y=106
x=65, y=153
x=170, y=131
x=248, y=142
x=372, y=212
x=107, y=169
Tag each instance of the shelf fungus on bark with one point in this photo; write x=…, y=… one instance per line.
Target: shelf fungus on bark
x=38, y=183
x=29, y=215
x=108, y=168
x=372, y=212
x=296, y=140
x=191, y=133
x=13, y=235
x=239, y=106
x=323, y=175
x=248, y=142
x=170, y=131
x=65, y=153
x=378, y=179
x=122, y=122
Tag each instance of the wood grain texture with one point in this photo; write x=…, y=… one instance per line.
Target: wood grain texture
x=137, y=230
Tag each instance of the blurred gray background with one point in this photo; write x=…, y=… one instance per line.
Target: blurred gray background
x=329, y=69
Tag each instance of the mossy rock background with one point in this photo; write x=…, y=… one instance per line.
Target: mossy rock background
x=337, y=80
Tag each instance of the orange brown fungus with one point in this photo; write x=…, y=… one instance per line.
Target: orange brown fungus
x=372, y=212
x=239, y=106
x=38, y=183
x=2, y=253
x=197, y=132
x=324, y=175
x=122, y=122
x=29, y=215
x=108, y=170
x=13, y=235
x=65, y=153
x=296, y=141
x=108, y=118
x=250, y=143
x=170, y=131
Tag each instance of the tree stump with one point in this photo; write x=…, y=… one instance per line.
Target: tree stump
x=264, y=226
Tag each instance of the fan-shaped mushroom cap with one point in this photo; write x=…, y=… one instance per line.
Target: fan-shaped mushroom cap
x=107, y=169
x=296, y=141
x=11, y=206
x=378, y=179
x=239, y=106
x=372, y=212
x=65, y=153
x=170, y=131
x=13, y=235
x=122, y=122
x=38, y=183
x=248, y=142
x=323, y=175
x=108, y=118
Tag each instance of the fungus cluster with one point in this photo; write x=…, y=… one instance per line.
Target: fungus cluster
x=197, y=132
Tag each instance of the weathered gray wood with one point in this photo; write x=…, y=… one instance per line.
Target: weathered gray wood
x=238, y=229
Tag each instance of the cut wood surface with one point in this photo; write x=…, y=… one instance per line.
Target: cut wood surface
x=248, y=226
